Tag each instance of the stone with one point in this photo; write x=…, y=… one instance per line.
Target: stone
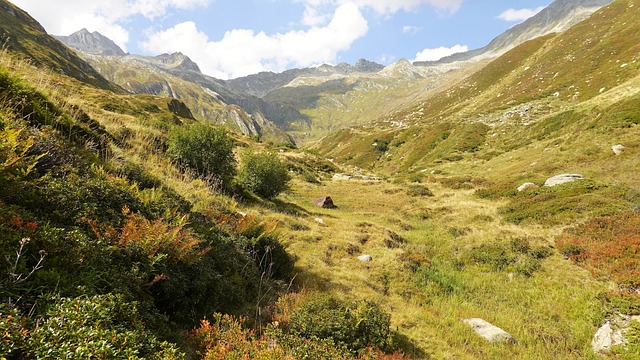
x=526, y=186
x=319, y=220
x=365, y=258
x=341, y=177
x=324, y=202
x=618, y=149
x=562, y=179
x=612, y=333
x=490, y=332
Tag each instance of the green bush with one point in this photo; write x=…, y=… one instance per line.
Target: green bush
x=98, y=327
x=205, y=150
x=355, y=325
x=263, y=174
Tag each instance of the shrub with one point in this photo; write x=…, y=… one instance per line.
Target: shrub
x=355, y=325
x=419, y=190
x=263, y=174
x=205, y=150
x=100, y=327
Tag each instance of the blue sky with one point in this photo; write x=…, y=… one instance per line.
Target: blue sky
x=231, y=38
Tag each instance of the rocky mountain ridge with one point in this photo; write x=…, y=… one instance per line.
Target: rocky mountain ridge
x=559, y=16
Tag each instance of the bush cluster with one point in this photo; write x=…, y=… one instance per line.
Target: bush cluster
x=263, y=174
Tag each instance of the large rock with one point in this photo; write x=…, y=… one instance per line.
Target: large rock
x=365, y=258
x=562, y=179
x=526, y=186
x=612, y=333
x=490, y=332
x=324, y=202
x=341, y=177
x=618, y=149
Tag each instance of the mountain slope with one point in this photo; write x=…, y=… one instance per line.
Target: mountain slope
x=22, y=34
x=560, y=15
x=176, y=76
x=575, y=88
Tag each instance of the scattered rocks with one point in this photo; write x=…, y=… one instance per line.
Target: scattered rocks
x=324, y=202
x=612, y=333
x=365, y=258
x=618, y=149
x=526, y=186
x=490, y=332
x=562, y=179
x=319, y=220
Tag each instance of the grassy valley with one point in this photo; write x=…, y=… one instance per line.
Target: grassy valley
x=130, y=228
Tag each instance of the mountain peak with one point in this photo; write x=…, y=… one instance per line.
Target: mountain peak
x=92, y=43
x=177, y=61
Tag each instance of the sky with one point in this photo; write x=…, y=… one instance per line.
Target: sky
x=234, y=38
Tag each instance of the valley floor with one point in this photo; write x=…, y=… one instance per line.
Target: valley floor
x=438, y=259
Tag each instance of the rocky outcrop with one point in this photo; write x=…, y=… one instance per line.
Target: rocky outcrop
x=490, y=332
x=365, y=258
x=562, y=179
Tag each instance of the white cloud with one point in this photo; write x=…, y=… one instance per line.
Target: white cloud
x=241, y=52
x=408, y=29
x=63, y=17
x=518, y=15
x=439, y=53
x=388, y=7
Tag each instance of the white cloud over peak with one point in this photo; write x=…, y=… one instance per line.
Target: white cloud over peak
x=518, y=15
x=242, y=52
x=439, y=53
x=63, y=17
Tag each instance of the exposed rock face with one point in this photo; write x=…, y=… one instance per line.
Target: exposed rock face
x=341, y=177
x=91, y=43
x=612, y=333
x=179, y=108
x=526, y=186
x=618, y=149
x=490, y=332
x=562, y=179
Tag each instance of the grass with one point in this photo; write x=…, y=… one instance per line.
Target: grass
x=433, y=280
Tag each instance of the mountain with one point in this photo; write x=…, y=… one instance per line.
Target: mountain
x=23, y=35
x=91, y=43
x=529, y=111
x=262, y=83
x=177, y=76
x=557, y=17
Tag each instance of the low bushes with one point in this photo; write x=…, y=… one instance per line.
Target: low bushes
x=263, y=174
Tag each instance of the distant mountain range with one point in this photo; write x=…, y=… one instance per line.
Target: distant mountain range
x=308, y=103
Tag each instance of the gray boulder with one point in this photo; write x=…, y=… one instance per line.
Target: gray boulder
x=526, y=186
x=490, y=332
x=612, y=333
x=618, y=149
x=562, y=179
x=365, y=258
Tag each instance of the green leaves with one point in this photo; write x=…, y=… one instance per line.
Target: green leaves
x=263, y=174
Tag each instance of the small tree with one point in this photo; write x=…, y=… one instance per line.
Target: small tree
x=263, y=174
x=205, y=150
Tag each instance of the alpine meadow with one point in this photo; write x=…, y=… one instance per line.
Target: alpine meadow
x=482, y=206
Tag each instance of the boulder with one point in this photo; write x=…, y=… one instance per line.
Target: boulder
x=319, y=220
x=365, y=258
x=562, y=179
x=612, y=333
x=526, y=186
x=490, y=332
x=341, y=177
x=618, y=149
x=324, y=202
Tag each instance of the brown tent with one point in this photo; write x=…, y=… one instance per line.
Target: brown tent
x=324, y=202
